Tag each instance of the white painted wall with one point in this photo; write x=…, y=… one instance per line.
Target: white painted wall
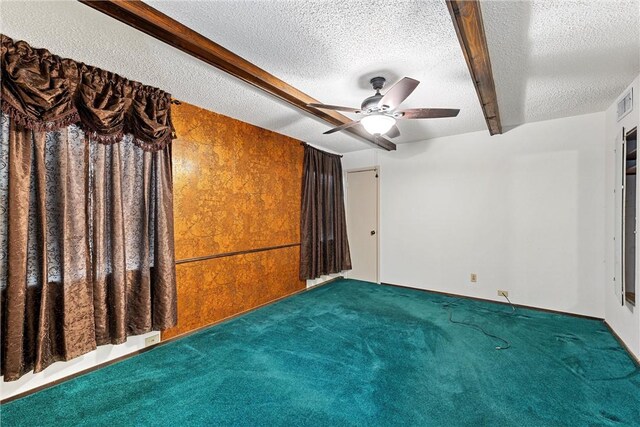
x=624, y=319
x=524, y=210
x=60, y=370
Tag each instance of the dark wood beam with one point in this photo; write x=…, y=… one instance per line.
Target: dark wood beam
x=467, y=20
x=160, y=26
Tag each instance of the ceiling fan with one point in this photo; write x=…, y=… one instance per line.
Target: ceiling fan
x=380, y=111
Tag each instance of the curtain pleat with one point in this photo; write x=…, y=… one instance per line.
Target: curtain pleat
x=43, y=350
x=324, y=245
x=15, y=307
x=77, y=293
x=164, y=273
x=100, y=264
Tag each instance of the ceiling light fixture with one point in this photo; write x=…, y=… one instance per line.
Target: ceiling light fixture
x=378, y=124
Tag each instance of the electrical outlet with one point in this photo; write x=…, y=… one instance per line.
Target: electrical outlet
x=502, y=293
x=152, y=340
x=474, y=278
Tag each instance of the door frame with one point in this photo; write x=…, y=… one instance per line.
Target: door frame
x=623, y=205
x=624, y=301
x=346, y=181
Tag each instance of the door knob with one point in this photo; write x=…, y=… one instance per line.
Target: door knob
x=373, y=232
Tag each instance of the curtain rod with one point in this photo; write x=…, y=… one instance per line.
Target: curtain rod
x=304, y=144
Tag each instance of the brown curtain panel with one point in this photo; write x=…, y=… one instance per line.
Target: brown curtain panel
x=324, y=245
x=86, y=209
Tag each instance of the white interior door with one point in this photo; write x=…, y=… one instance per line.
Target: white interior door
x=362, y=223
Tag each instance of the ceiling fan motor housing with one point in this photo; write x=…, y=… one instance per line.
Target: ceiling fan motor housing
x=371, y=102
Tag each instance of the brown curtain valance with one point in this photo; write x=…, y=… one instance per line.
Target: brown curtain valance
x=44, y=92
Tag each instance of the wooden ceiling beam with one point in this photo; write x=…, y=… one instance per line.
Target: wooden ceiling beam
x=467, y=20
x=160, y=26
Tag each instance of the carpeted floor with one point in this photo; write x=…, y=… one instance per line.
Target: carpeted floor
x=356, y=353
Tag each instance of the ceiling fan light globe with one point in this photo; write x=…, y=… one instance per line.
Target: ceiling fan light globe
x=378, y=124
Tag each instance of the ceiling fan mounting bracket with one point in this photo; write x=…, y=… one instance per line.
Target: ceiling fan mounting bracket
x=377, y=82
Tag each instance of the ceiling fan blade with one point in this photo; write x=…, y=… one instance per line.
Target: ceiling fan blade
x=334, y=107
x=342, y=127
x=428, y=113
x=398, y=93
x=394, y=132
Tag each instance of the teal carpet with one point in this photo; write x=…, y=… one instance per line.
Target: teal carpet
x=356, y=353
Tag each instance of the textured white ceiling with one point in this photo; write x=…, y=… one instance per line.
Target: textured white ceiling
x=560, y=58
x=546, y=63
x=327, y=49
x=331, y=48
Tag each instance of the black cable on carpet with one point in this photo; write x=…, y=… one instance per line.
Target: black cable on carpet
x=506, y=345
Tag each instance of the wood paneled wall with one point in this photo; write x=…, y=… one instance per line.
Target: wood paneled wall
x=236, y=188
